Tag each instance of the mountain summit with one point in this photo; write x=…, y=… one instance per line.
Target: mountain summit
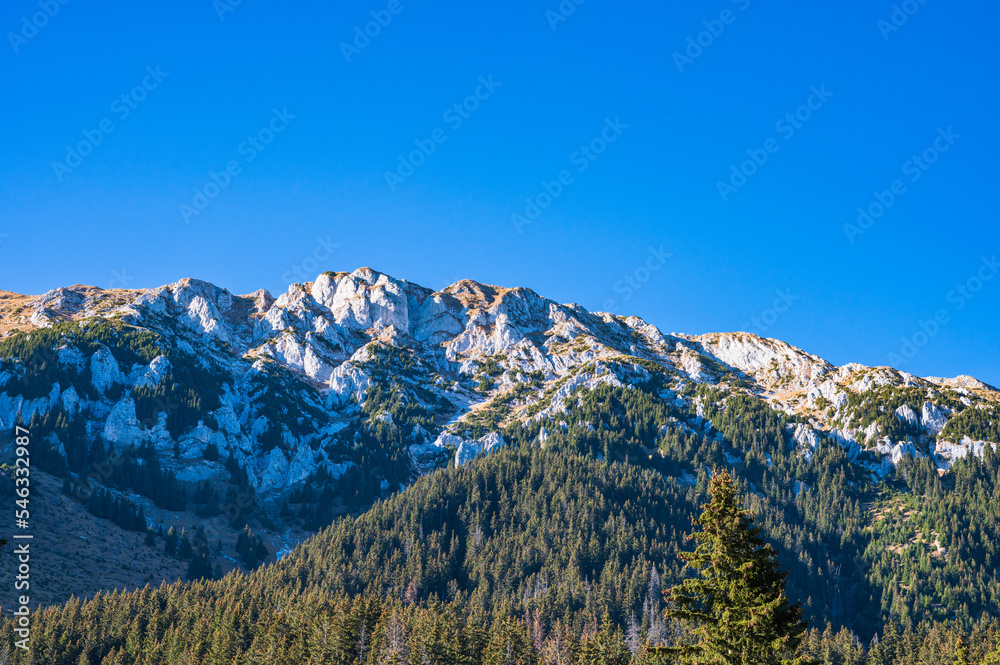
x=284, y=386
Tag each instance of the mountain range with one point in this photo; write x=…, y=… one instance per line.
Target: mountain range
x=453, y=354
x=236, y=426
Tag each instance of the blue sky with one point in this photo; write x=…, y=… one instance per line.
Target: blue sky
x=249, y=145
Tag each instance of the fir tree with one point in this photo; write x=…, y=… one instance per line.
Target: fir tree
x=170, y=542
x=737, y=603
x=184, y=549
x=607, y=647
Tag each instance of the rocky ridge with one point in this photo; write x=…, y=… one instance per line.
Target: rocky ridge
x=288, y=379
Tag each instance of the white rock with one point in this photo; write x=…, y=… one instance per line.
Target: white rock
x=895, y=452
x=366, y=299
x=104, y=370
x=300, y=466
x=906, y=414
x=302, y=356
x=149, y=375
x=227, y=420
x=70, y=401
x=71, y=356
x=203, y=316
x=192, y=443
x=933, y=417
x=872, y=430
x=469, y=449
x=807, y=440
x=324, y=289
x=198, y=471
x=275, y=471
x=438, y=318
x=348, y=382
x=122, y=426
x=949, y=453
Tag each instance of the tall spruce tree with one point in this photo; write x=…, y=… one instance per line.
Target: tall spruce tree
x=737, y=603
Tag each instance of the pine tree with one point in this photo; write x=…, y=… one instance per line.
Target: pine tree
x=992, y=658
x=170, y=543
x=633, y=636
x=737, y=603
x=184, y=549
x=607, y=647
x=509, y=644
x=199, y=567
x=961, y=653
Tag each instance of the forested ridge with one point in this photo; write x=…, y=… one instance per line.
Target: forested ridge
x=560, y=555
x=557, y=549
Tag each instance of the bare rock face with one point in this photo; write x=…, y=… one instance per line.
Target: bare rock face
x=907, y=414
x=104, y=370
x=772, y=362
x=122, y=426
x=290, y=378
x=363, y=299
x=466, y=450
x=933, y=417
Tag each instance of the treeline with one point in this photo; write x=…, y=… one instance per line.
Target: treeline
x=118, y=509
x=39, y=367
x=810, y=511
x=934, y=541
x=917, y=548
x=541, y=555
x=244, y=620
x=572, y=544
x=551, y=533
x=89, y=465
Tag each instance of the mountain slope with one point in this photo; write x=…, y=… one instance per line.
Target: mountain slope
x=464, y=346
x=284, y=413
x=552, y=535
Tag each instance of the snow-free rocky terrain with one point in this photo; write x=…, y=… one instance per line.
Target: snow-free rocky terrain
x=302, y=386
x=316, y=342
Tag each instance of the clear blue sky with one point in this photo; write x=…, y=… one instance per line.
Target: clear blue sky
x=114, y=217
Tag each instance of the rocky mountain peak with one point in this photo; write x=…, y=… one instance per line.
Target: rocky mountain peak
x=284, y=383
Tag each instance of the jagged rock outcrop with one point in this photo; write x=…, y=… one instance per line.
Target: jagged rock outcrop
x=292, y=375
